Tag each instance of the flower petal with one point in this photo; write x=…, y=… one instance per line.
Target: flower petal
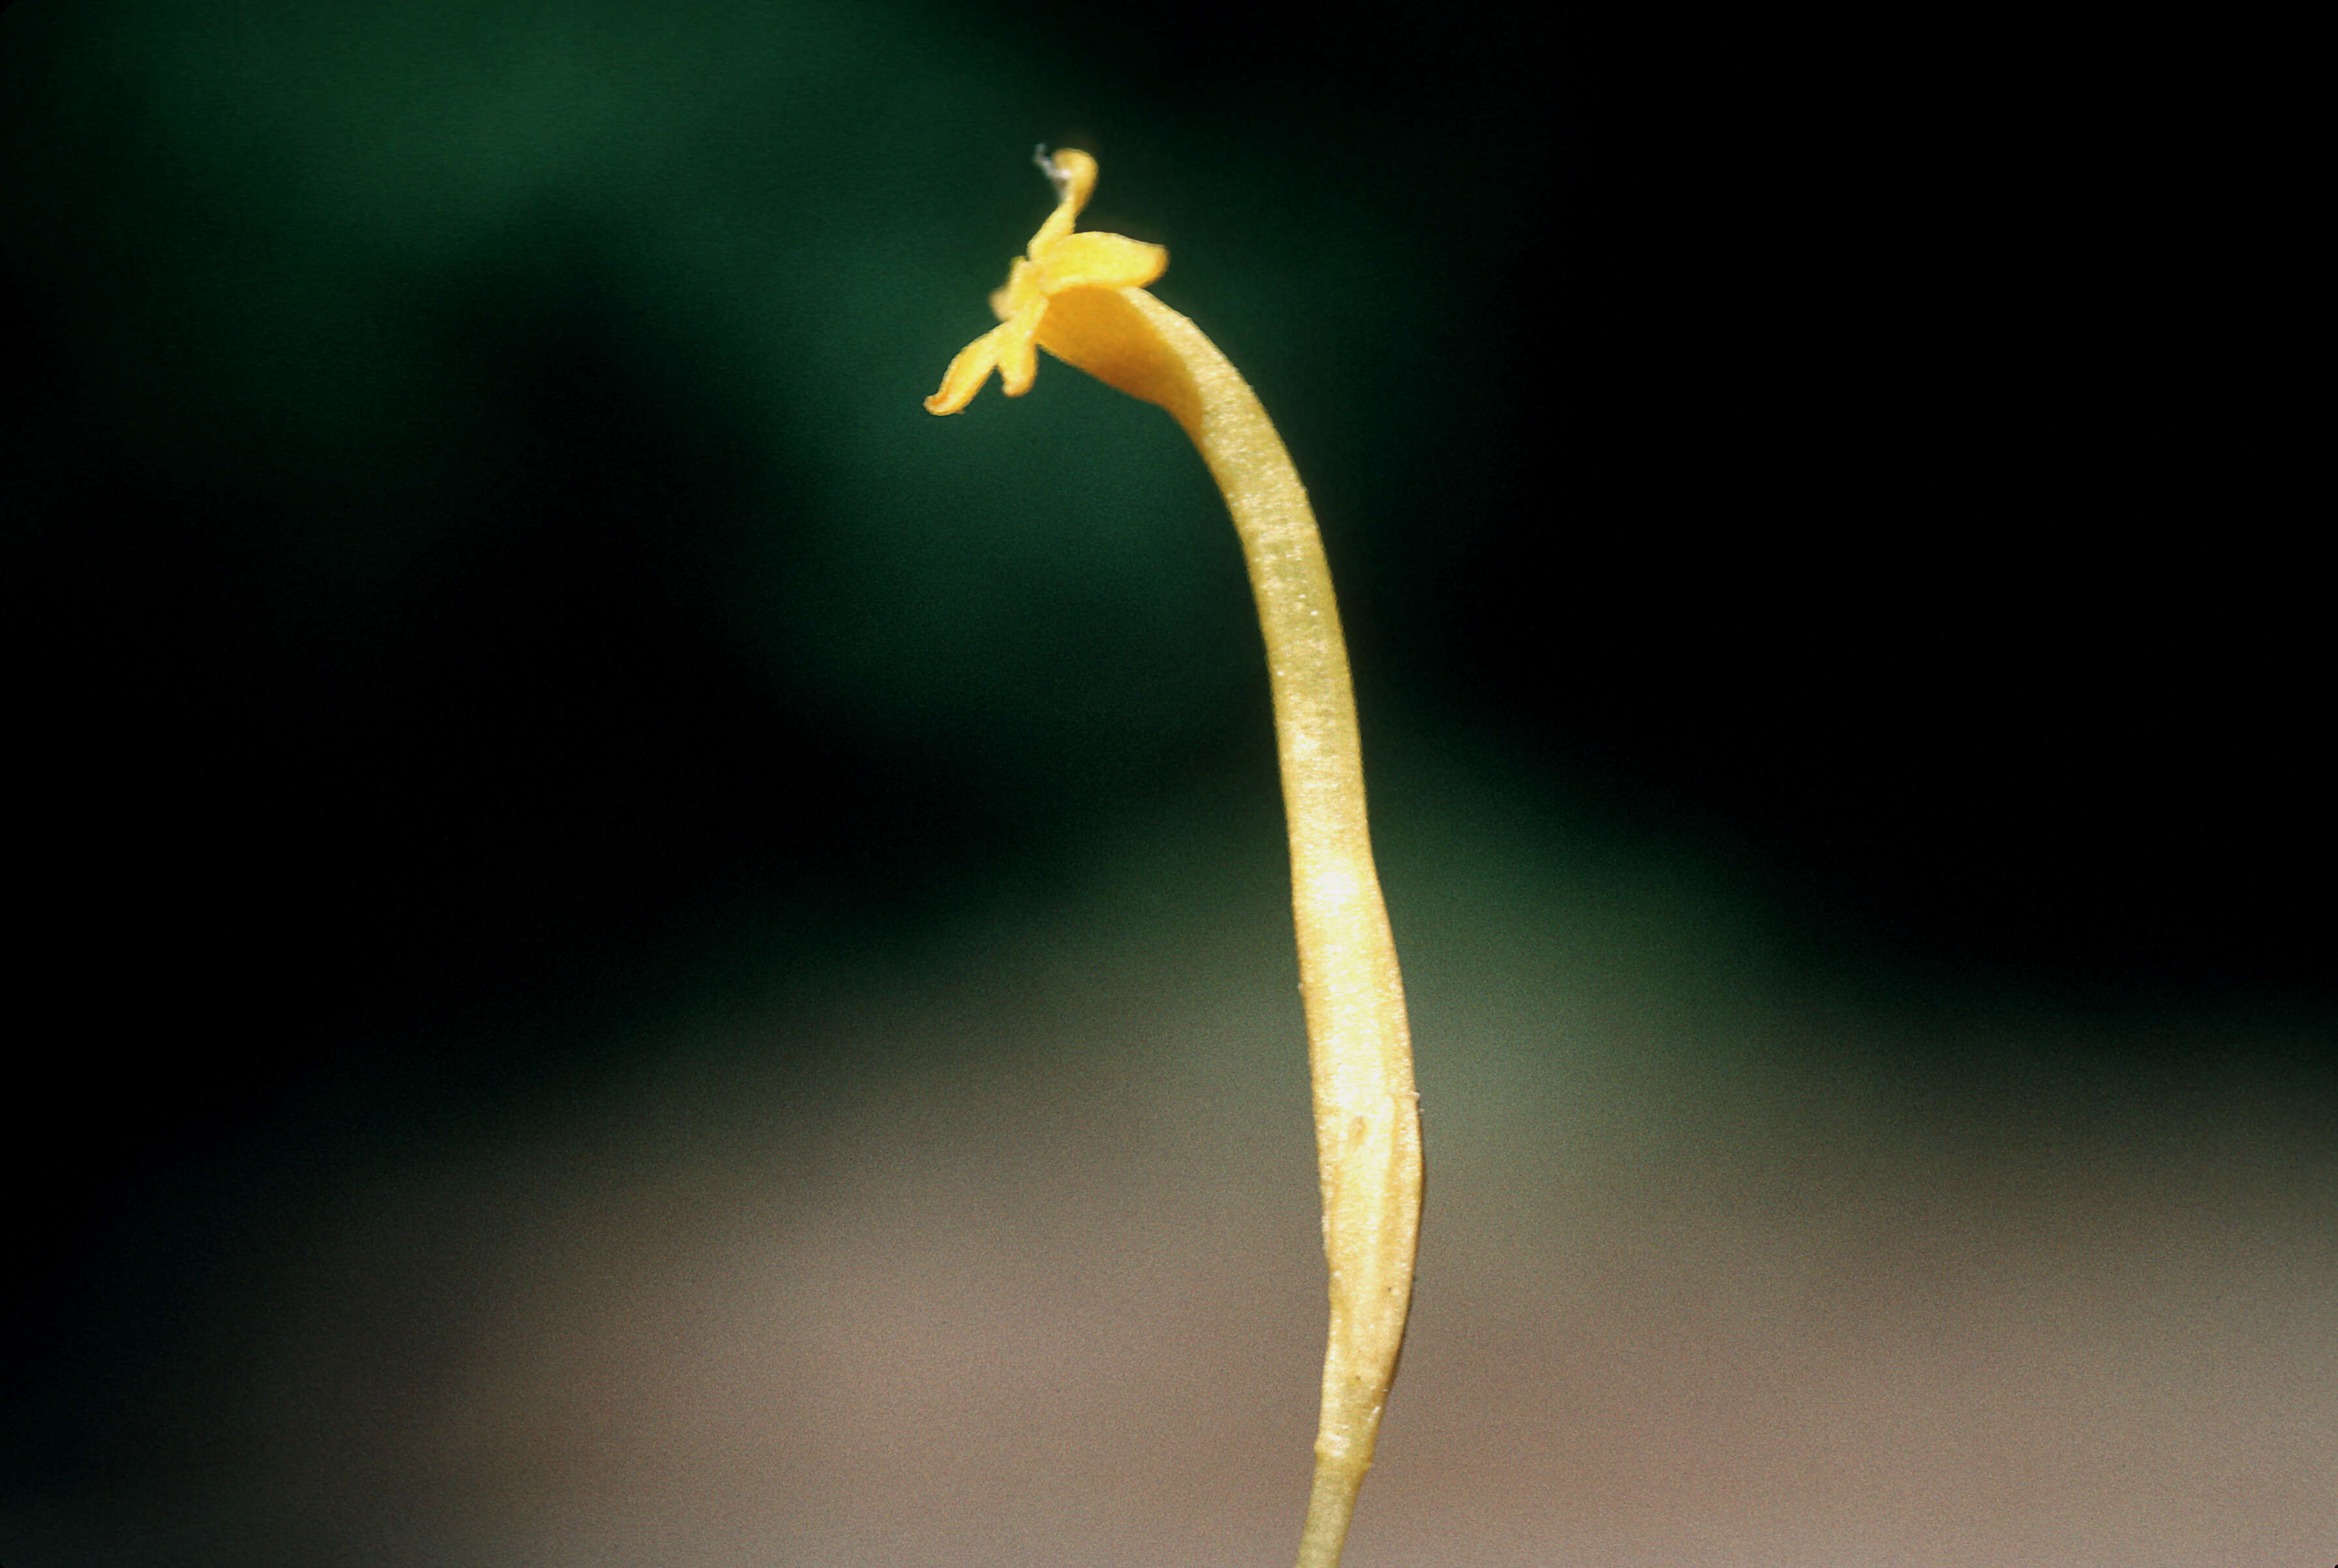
x=1073, y=173
x=967, y=373
x=1123, y=338
x=1022, y=286
x=1094, y=261
x=1018, y=361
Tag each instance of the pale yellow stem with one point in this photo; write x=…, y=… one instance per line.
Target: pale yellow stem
x=1359, y=1050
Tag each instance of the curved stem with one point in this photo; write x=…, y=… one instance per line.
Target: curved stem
x=1359, y=1050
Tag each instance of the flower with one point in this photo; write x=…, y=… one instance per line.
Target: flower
x=1058, y=261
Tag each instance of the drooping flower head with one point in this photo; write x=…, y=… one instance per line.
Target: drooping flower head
x=1058, y=261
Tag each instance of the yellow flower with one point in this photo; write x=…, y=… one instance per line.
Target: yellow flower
x=1058, y=261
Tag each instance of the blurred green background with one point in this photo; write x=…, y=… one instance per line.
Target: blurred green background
x=485, y=600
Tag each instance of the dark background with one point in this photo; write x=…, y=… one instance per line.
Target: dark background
x=439, y=443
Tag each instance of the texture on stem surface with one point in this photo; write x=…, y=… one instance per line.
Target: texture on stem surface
x=1080, y=296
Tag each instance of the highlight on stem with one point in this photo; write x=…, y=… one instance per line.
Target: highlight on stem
x=1081, y=296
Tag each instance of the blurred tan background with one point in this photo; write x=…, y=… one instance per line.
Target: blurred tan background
x=1029, y=1272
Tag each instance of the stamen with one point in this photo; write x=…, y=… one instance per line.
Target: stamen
x=1057, y=177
